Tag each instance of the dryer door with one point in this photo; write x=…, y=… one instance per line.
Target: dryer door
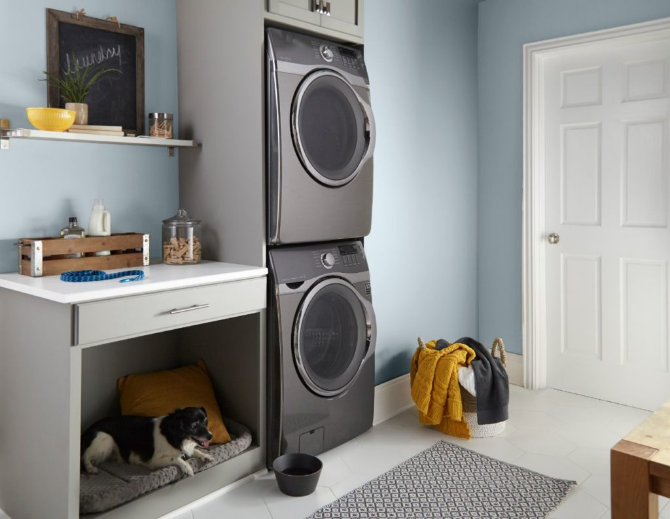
x=333, y=128
x=334, y=335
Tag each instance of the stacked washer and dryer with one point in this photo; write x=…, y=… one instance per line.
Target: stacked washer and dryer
x=321, y=329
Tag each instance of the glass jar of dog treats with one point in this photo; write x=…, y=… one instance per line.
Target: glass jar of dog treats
x=160, y=125
x=181, y=240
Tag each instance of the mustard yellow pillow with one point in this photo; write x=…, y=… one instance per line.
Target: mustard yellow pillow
x=158, y=394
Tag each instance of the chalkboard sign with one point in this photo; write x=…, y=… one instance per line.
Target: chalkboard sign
x=116, y=99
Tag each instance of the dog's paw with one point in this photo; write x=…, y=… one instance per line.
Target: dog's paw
x=91, y=470
x=188, y=470
x=203, y=455
x=207, y=457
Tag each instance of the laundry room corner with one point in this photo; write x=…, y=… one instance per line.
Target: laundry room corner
x=423, y=63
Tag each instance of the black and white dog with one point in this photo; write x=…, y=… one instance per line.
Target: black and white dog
x=152, y=442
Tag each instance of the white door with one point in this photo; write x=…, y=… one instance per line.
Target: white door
x=606, y=182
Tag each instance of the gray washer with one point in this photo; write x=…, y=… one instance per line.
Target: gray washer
x=321, y=342
x=320, y=140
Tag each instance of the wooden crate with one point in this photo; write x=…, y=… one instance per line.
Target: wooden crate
x=49, y=256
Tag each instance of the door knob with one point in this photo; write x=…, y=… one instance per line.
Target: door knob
x=554, y=238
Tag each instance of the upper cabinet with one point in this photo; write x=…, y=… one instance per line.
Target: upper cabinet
x=338, y=19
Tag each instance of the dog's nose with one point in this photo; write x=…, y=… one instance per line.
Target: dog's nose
x=209, y=435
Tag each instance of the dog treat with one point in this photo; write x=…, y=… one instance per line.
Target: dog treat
x=182, y=250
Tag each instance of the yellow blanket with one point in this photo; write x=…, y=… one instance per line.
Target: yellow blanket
x=435, y=388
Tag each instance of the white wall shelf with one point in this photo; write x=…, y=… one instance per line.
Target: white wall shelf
x=39, y=135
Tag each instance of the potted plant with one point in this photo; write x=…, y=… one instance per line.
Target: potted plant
x=75, y=85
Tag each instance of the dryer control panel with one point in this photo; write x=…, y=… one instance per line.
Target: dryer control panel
x=296, y=48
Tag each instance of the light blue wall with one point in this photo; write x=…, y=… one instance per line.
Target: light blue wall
x=504, y=26
x=422, y=60
x=41, y=183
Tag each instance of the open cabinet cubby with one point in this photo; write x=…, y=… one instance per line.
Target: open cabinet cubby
x=229, y=349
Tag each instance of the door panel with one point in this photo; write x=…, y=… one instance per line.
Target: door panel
x=644, y=314
x=344, y=17
x=606, y=167
x=302, y=10
x=581, y=87
x=580, y=174
x=644, y=174
x=581, y=306
x=646, y=80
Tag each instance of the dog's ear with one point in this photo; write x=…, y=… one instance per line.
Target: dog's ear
x=204, y=410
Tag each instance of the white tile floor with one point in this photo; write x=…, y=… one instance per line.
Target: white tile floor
x=555, y=433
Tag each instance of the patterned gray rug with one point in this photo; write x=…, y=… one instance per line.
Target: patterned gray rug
x=449, y=482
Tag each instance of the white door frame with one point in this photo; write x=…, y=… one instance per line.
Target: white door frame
x=534, y=329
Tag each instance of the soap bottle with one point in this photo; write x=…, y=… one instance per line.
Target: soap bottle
x=100, y=223
x=73, y=231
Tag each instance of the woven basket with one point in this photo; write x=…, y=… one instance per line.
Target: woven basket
x=470, y=402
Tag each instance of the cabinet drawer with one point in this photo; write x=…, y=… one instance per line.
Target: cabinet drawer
x=106, y=321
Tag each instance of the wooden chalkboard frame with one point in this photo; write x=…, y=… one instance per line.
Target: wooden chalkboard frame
x=55, y=18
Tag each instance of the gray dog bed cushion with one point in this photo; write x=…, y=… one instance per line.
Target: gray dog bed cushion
x=118, y=483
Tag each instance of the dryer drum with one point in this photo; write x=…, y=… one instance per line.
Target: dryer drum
x=331, y=128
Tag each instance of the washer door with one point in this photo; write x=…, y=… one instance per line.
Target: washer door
x=334, y=335
x=333, y=128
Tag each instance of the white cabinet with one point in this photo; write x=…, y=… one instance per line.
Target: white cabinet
x=64, y=345
x=338, y=19
x=344, y=16
x=303, y=10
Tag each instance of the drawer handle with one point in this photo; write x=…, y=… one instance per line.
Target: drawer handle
x=189, y=309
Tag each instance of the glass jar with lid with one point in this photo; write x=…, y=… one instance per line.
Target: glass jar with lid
x=160, y=125
x=181, y=240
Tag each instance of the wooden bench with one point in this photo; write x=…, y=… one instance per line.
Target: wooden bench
x=640, y=468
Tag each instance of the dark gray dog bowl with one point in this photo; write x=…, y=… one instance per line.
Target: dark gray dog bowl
x=297, y=474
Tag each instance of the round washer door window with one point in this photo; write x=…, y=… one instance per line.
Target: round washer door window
x=331, y=128
x=331, y=337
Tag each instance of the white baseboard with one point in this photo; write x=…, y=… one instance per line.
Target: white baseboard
x=515, y=369
x=392, y=398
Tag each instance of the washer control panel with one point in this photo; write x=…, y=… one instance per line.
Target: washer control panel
x=295, y=263
x=351, y=256
x=345, y=257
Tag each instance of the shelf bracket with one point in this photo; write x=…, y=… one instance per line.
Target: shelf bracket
x=4, y=140
x=170, y=151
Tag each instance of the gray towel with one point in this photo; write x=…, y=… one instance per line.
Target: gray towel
x=492, y=384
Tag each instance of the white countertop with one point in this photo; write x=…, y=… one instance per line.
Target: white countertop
x=157, y=278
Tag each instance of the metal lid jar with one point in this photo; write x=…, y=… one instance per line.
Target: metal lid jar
x=160, y=125
x=181, y=240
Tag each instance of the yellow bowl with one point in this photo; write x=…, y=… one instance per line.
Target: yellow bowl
x=51, y=119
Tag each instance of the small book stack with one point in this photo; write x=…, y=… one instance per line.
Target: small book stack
x=109, y=131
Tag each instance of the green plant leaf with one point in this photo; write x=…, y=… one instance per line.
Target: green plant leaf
x=75, y=86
